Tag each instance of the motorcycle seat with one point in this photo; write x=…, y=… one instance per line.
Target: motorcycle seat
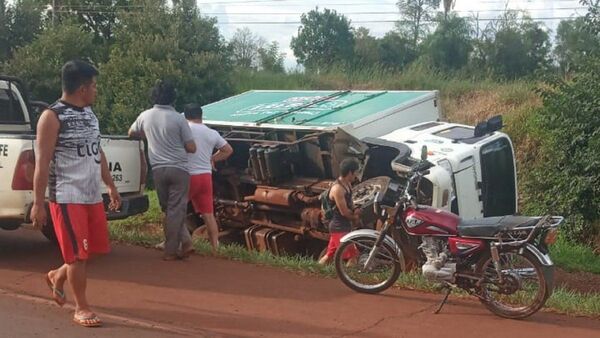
x=490, y=226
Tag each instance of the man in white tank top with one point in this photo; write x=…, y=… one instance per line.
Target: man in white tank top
x=71, y=163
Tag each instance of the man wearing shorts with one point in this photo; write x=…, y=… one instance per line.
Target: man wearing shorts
x=71, y=163
x=200, y=167
x=343, y=214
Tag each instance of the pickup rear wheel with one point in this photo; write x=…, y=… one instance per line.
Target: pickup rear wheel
x=48, y=231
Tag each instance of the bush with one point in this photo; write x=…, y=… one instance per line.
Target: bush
x=566, y=179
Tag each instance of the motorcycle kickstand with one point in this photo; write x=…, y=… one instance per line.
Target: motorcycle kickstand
x=443, y=302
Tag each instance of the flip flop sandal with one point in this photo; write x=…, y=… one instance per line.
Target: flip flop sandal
x=57, y=295
x=87, y=321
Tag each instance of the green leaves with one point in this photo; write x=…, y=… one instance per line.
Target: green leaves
x=162, y=42
x=323, y=40
x=39, y=63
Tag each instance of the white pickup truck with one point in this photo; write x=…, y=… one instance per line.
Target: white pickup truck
x=126, y=159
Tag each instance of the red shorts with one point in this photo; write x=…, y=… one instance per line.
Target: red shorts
x=334, y=243
x=81, y=230
x=201, y=193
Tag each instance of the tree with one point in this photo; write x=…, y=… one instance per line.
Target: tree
x=366, y=48
x=39, y=63
x=271, y=59
x=569, y=123
x=324, y=39
x=574, y=43
x=415, y=16
x=245, y=48
x=161, y=42
x=448, y=6
x=24, y=21
x=396, y=51
x=96, y=16
x=4, y=32
x=450, y=45
x=514, y=47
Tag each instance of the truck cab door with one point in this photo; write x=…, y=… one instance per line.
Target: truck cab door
x=469, y=205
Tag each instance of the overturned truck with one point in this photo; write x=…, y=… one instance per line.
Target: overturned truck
x=287, y=149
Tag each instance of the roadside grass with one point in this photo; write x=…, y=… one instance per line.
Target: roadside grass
x=145, y=230
x=574, y=257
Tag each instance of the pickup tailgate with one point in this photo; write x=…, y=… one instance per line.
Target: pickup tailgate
x=12, y=148
x=125, y=161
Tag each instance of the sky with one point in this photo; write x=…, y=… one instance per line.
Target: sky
x=276, y=20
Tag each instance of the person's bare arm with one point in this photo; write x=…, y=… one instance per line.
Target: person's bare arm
x=113, y=193
x=223, y=153
x=135, y=134
x=190, y=147
x=338, y=192
x=136, y=131
x=47, y=134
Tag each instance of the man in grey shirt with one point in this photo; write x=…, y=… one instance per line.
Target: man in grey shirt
x=169, y=141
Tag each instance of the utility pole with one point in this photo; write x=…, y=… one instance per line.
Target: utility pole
x=53, y=11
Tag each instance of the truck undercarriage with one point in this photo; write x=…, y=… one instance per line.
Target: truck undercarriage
x=267, y=193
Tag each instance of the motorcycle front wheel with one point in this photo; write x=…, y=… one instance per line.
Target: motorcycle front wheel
x=351, y=265
x=523, y=289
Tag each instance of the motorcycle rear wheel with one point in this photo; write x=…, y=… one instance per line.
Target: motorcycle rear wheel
x=382, y=274
x=524, y=289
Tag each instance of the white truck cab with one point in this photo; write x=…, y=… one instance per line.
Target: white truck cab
x=475, y=176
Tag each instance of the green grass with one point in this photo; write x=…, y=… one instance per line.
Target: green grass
x=141, y=229
x=144, y=230
x=574, y=257
x=562, y=300
x=574, y=303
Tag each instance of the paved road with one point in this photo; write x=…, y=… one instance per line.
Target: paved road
x=139, y=295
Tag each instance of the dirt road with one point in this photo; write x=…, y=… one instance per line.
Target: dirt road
x=140, y=295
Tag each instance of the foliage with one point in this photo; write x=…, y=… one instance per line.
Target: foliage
x=170, y=43
x=415, y=18
x=245, y=47
x=39, y=63
x=270, y=58
x=565, y=179
x=574, y=44
x=19, y=25
x=396, y=51
x=450, y=45
x=323, y=39
x=96, y=16
x=514, y=46
x=4, y=31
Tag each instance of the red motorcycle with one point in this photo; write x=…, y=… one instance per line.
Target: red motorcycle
x=503, y=261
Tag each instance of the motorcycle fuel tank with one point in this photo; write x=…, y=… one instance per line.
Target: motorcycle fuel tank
x=427, y=221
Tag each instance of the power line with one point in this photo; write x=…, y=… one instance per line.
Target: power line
x=380, y=13
x=374, y=21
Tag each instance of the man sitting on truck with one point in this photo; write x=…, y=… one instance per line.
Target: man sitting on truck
x=344, y=213
x=201, y=164
x=71, y=164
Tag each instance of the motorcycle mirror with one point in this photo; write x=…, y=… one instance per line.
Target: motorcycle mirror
x=424, y=153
